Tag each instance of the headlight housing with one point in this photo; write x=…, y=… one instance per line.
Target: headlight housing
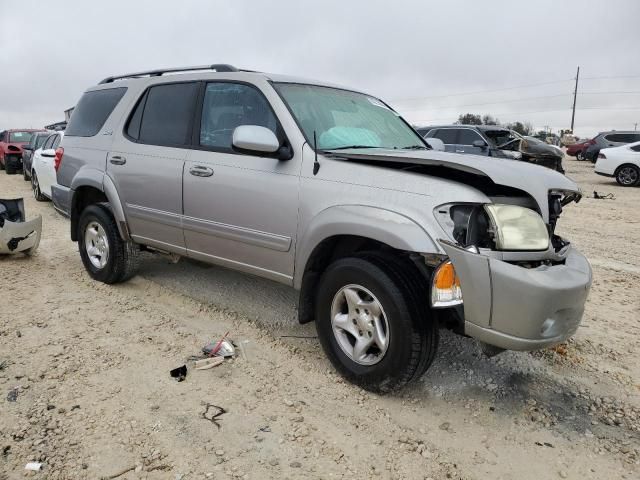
x=517, y=228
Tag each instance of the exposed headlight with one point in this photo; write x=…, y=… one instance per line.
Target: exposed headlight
x=517, y=228
x=511, y=154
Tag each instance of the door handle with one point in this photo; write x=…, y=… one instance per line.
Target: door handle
x=118, y=160
x=200, y=171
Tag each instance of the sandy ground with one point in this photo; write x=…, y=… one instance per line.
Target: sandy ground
x=90, y=366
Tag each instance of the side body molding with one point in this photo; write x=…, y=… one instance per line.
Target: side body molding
x=394, y=229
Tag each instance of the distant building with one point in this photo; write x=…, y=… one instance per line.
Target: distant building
x=61, y=125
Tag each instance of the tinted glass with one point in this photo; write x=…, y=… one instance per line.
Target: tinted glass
x=47, y=144
x=40, y=139
x=20, y=136
x=447, y=135
x=92, y=111
x=631, y=137
x=615, y=137
x=423, y=131
x=168, y=114
x=56, y=142
x=133, y=129
x=229, y=105
x=636, y=148
x=467, y=137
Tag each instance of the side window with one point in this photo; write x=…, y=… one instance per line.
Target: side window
x=165, y=115
x=615, y=137
x=636, y=148
x=229, y=105
x=630, y=137
x=48, y=142
x=56, y=142
x=3, y=136
x=467, y=137
x=447, y=135
x=92, y=111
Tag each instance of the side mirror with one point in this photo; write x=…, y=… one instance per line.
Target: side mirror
x=253, y=138
x=49, y=153
x=435, y=143
x=480, y=143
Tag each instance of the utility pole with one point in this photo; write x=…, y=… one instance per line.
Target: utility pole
x=635, y=126
x=575, y=95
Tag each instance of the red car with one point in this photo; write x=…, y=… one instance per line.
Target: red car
x=11, y=142
x=577, y=149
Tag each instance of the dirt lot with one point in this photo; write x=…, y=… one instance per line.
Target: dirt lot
x=90, y=366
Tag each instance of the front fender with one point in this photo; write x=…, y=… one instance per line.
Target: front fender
x=391, y=228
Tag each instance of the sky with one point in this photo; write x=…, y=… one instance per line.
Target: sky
x=430, y=60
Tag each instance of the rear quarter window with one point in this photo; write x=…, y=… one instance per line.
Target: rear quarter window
x=92, y=111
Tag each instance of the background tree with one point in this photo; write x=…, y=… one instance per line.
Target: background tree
x=469, y=119
x=524, y=129
x=489, y=120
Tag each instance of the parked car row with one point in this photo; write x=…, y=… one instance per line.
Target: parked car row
x=589, y=149
x=622, y=163
x=12, y=143
x=495, y=141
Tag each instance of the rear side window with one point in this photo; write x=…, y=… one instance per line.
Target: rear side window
x=617, y=137
x=48, y=142
x=92, y=111
x=447, y=135
x=467, y=137
x=636, y=148
x=56, y=142
x=164, y=115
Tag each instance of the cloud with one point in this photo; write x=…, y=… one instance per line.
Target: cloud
x=402, y=51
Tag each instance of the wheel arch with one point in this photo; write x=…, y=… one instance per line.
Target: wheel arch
x=92, y=191
x=342, y=231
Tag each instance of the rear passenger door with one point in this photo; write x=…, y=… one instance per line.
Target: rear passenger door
x=240, y=209
x=147, y=160
x=448, y=136
x=466, y=137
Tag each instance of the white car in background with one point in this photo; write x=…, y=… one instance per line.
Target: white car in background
x=622, y=162
x=43, y=171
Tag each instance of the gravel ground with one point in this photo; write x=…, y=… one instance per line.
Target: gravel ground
x=85, y=388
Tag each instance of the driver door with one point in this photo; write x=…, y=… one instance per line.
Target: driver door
x=240, y=208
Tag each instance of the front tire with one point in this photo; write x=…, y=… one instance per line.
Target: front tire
x=628, y=175
x=373, y=322
x=106, y=257
x=580, y=156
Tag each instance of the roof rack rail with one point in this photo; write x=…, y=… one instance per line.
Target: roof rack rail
x=218, y=67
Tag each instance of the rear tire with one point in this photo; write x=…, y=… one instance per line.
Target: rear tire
x=35, y=186
x=25, y=176
x=580, y=156
x=106, y=257
x=628, y=175
x=402, y=293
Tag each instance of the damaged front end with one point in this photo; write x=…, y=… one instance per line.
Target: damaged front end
x=534, y=151
x=523, y=287
x=16, y=234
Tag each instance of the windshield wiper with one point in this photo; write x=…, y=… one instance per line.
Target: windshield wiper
x=416, y=147
x=351, y=146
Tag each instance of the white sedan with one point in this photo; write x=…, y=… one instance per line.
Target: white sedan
x=43, y=172
x=622, y=162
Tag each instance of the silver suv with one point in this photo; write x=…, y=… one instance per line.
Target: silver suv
x=330, y=191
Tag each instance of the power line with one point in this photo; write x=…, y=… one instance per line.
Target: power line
x=483, y=91
x=610, y=78
x=488, y=103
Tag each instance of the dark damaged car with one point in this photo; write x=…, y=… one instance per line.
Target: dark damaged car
x=495, y=141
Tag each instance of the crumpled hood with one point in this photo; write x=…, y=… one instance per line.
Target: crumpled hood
x=535, y=180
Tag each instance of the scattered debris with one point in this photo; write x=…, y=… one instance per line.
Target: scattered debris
x=243, y=350
x=119, y=474
x=212, y=416
x=544, y=444
x=606, y=196
x=33, y=466
x=179, y=373
x=16, y=234
x=208, y=363
x=12, y=396
x=265, y=429
x=211, y=349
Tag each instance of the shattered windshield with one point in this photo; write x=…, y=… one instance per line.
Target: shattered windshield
x=345, y=119
x=501, y=138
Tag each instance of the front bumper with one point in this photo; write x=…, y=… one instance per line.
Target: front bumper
x=519, y=308
x=13, y=160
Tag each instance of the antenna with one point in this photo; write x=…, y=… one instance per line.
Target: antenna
x=316, y=164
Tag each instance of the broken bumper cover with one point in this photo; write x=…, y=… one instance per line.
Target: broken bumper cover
x=16, y=235
x=519, y=308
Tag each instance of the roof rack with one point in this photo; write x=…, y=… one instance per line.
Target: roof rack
x=218, y=67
